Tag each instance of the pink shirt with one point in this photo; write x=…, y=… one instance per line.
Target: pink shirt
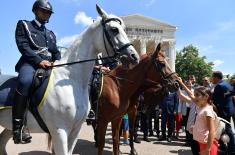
x=200, y=129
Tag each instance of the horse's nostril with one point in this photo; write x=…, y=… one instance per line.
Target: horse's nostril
x=176, y=84
x=134, y=57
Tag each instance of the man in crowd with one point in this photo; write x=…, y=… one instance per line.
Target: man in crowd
x=169, y=106
x=224, y=105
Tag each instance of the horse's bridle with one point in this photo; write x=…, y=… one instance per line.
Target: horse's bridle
x=166, y=80
x=105, y=34
x=108, y=37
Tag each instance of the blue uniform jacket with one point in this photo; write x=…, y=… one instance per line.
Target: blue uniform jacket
x=42, y=38
x=170, y=102
x=223, y=103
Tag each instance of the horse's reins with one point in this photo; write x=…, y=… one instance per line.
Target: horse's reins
x=82, y=61
x=105, y=33
x=119, y=78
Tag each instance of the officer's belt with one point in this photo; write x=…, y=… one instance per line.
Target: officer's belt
x=44, y=51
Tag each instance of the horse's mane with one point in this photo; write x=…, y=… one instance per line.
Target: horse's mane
x=96, y=22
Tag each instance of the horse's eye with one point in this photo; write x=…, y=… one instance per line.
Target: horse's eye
x=114, y=30
x=162, y=63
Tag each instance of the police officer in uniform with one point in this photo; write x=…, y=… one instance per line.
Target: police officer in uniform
x=38, y=47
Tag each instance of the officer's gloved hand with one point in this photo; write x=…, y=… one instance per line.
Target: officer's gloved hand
x=45, y=64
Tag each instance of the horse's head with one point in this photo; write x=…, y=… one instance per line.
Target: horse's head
x=115, y=38
x=168, y=78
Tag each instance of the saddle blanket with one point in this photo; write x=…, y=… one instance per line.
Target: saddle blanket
x=8, y=85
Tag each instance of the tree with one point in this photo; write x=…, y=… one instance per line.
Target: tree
x=233, y=76
x=188, y=62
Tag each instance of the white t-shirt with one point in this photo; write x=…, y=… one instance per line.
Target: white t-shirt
x=200, y=129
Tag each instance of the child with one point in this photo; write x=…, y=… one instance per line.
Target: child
x=204, y=127
x=125, y=129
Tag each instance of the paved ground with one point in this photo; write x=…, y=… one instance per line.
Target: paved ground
x=85, y=146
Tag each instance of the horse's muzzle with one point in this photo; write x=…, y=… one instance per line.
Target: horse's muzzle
x=173, y=86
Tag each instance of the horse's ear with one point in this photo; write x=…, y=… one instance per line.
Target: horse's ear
x=158, y=48
x=101, y=12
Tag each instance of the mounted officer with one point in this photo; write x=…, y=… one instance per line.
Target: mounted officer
x=38, y=47
x=102, y=66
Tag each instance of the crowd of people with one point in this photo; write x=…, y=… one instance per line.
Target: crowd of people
x=192, y=110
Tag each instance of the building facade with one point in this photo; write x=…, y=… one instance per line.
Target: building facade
x=145, y=33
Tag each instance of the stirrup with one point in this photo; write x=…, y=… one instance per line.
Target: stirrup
x=21, y=137
x=91, y=115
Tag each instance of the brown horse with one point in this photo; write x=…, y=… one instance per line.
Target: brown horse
x=120, y=85
x=152, y=96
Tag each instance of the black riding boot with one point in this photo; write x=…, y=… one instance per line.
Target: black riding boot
x=18, y=112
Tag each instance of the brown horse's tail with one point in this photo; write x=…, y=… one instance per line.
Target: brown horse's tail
x=49, y=141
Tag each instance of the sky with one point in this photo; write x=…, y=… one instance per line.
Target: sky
x=207, y=24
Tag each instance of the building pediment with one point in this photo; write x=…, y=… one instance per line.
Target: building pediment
x=138, y=20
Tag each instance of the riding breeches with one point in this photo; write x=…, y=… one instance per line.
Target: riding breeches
x=25, y=79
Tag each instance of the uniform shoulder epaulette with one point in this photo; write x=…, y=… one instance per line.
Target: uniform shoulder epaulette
x=21, y=21
x=52, y=33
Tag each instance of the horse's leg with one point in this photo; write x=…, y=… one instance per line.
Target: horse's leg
x=102, y=126
x=94, y=126
x=4, y=137
x=132, y=117
x=115, y=133
x=60, y=141
x=72, y=138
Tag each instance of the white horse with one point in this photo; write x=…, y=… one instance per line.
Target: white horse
x=66, y=105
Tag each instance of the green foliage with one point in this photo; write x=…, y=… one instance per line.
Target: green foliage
x=188, y=62
x=233, y=76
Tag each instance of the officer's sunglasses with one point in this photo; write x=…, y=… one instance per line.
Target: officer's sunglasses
x=45, y=11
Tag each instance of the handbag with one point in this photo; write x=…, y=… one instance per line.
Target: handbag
x=220, y=124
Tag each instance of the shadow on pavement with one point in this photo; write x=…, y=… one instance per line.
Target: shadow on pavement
x=184, y=152
x=35, y=153
x=85, y=147
x=173, y=143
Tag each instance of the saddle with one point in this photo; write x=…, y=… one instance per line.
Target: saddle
x=37, y=95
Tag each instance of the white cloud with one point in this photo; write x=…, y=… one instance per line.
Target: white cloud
x=221, y=30
x=206, y=48
x=68, y=40
x=82, y=18
x=151, y=2
x=226, y=26
x=217, y=63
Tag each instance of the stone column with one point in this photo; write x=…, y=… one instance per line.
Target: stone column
x=143, y=46
x=172, y=54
